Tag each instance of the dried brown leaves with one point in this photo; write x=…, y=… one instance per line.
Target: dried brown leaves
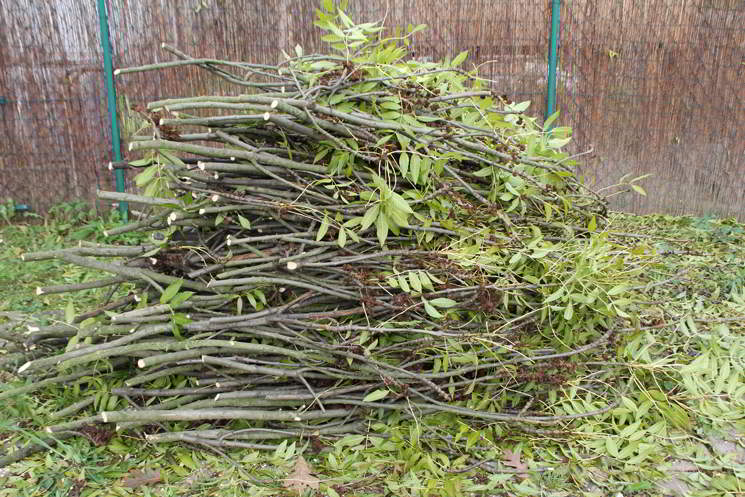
x=512, y=459
x=301, y=478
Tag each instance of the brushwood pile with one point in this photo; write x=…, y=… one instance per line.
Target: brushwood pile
x=350, y=241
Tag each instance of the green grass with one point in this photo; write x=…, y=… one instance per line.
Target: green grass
x=683, y=406
x=65, y=226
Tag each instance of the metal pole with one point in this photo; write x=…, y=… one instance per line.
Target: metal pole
x=111, y=99
x=552, y=58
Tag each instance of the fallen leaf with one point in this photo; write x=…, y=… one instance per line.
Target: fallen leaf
x=300, y=479
x=139, y=478
x=512, y=459
x=99, y=435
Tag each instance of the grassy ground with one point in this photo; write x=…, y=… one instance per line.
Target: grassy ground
x=678, y=428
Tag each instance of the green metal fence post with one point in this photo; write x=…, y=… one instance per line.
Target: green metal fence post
x=111, y=99
x=553, y=57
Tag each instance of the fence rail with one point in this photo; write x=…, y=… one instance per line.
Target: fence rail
x=651, y=86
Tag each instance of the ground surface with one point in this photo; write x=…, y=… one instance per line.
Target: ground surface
x=678, y=429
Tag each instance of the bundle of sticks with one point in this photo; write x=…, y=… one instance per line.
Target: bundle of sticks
x=356, y=237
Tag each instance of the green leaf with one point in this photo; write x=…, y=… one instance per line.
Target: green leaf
x=180, y=298
x=376, y=395
x=260, y=295
x=431, y=311
x=436, y=366
x=379, y=183
x=426, y=167
x=69, y=312
x=176, y=330
x=279, y=452
x=611, y=446
x=540, y=253
x=403, y=284
x=153, y=189
x=458, y=60
x=569, y=311
x=484, y=172
x=443, y=302
x=146, y=176
x=180, y=319
x=171, y=158
x=638, y=189
x=400, y=204
x=345, y=19
x=416, y=161
x=351, y=223
x=328, y=5
x=621, y=313
x=245, y=223
x=219, y=219
x=383, y=140
x=629, y=430
x=252, y=300
x=370, y=216
x=389, y=105
x=171, y=291
x=518, y=107
x=324, y=226
x=562, y=132
x=72, y=342
x=403, y=163
x=397, y=220
x=403, y=141
x=617, y=289
x=512, y=189
x=330, y=38
x=342, y=240
x=141, y=162
x=629, y=404
x=558, y=293
x=415, y=283
x=321, y=154
x=381, y=223
x=88, y=322
x=592, y=226
x=677, y=416
x=558, y=142
x=550, y=120
x=426, y=282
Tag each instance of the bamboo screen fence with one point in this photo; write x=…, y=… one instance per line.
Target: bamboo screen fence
x=651, y=86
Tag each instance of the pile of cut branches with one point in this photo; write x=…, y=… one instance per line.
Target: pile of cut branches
x=357, y=237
